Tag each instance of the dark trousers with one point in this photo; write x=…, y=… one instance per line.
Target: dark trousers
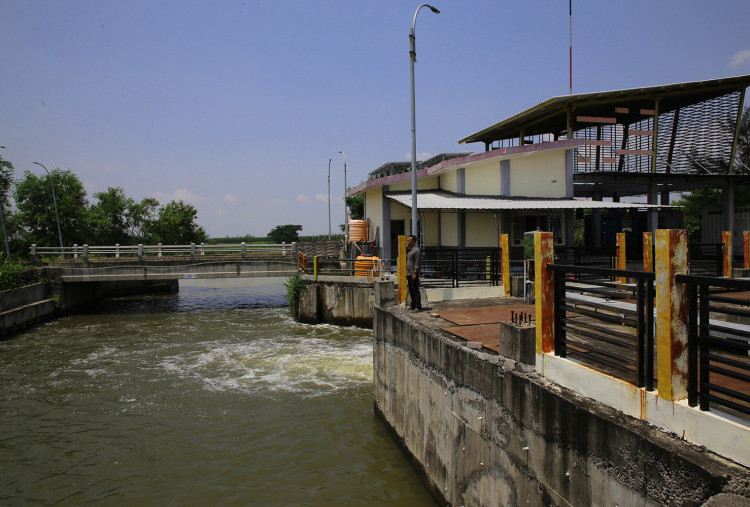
x=416, y=298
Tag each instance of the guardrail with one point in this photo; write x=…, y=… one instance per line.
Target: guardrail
x=718, y=350
x=596, y=320
x=335, y=266
x=465, y=267
x=140, y=251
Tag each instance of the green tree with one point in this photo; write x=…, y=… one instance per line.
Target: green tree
x=110, y=220
x=6, y=181
x=175, y=225
x=33, y=196
x=288, y=233
x=143, y=216
x=356, y=205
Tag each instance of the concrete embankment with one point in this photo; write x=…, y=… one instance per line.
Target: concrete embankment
x=27, y=306
x=24, y=307
x=342, y=302
x=486, y=430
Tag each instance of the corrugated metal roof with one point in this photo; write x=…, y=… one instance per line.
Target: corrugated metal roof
x=446, y=201
x=550, y=116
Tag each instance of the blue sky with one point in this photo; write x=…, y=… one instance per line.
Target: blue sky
x=236, y=106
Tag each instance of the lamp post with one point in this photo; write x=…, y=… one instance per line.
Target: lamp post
x=329, y=198
x=412, y=59
x=54, y=203
x=2, y=217
x=346, y=211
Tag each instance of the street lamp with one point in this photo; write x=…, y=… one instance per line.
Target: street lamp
x=329, y=198
x=412, y=59
x=2, y=217
x=54, y=202
x=346, y=211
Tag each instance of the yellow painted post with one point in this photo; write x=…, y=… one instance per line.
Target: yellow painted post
x=487, y=268
x=621, y=260
x=746, y=241
x=315, y=268
x=544, y=292
x=401, y=269
x=726, y=238
x=671, y=314
x=648, y=251
x=505, y=264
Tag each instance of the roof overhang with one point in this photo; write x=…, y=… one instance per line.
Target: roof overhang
x=448, y=201
x=551, y=116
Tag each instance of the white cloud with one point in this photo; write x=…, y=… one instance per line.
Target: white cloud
x=321, y=197
x=229, y=198
x=739, y=58
x=302, y=198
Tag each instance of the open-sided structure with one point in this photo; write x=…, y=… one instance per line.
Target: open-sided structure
x=550, y=162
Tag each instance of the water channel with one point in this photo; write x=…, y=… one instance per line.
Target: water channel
x=210, y=396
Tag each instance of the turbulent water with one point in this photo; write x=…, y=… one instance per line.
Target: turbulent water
x=211, y=396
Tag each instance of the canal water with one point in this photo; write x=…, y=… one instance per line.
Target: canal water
x=211, y=396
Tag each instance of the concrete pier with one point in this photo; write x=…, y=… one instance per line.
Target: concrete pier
x=483, y=429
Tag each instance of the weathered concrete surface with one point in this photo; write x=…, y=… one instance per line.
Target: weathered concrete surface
x=24, y=307
x=343, y=303
x=518, y=342
x=486, y=430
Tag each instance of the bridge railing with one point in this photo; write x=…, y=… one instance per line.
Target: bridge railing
x=85, y=252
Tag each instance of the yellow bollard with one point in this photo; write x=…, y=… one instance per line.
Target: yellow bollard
x=544, y=292
x=726, y=238
x=621, y=257
x=671, y=314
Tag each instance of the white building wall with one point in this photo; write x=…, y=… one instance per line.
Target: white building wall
x=541, y=175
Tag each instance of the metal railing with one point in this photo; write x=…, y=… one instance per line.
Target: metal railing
x=718, y=349
x=604, y=324
x=335, y=266
x=193, y=250
x=592, y=256
x=465, y=267
x=706, y=259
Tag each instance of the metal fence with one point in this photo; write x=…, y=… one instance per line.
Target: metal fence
x=718, y=342
x=465, y=267
x=605, y=324
x=706, y=259
x=85, y=252
x=592, y=256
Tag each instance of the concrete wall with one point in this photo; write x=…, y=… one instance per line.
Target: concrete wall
x=347, y=303
x=486, y=430
x=24, y=307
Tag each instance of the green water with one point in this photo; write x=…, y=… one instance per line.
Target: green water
x=211, y=396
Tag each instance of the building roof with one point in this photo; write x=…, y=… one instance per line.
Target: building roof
x=465, y=160
x=391, y=168
x=448, y=201
x=551, y=116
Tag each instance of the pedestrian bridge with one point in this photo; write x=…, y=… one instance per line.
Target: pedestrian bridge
x=80, y=264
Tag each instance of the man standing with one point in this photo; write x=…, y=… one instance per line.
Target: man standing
x=413, y=259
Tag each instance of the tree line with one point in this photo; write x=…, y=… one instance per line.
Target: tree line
x=111, y=218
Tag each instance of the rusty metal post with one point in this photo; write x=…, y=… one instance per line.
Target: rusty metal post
x=726, y=239
x=648, y=251
x=621, y=257
x=401, y=269
x=505, y=264
x=746, y=248
x=671, y=314
x=544, y=292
